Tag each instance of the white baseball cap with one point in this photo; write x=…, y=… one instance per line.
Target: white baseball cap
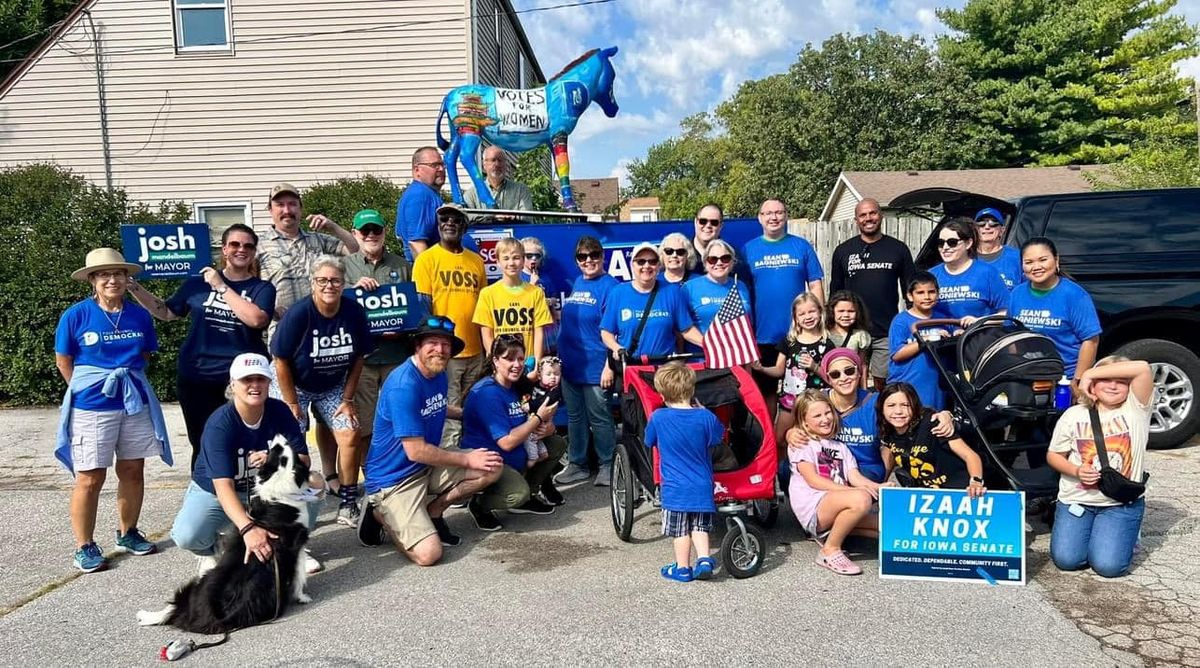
x=251, y=364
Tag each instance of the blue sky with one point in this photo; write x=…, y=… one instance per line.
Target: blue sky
x=679, y=57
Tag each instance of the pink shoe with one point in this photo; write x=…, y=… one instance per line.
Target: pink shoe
x=839, y=563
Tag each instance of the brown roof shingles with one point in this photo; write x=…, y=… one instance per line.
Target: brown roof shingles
x=1006, y=183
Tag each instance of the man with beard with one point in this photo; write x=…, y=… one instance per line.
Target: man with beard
x=451, y=277
x=405, y=466
x=507, y=193
x=877, y=268
x=416, y=212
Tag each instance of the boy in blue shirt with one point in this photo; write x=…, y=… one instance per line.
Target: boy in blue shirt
x=908, y=363
x=685, y=435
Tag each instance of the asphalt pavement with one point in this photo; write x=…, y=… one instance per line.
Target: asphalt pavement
x=562, y=590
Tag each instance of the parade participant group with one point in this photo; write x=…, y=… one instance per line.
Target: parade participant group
x=461, y=411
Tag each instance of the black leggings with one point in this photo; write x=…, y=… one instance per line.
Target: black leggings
x=198, y=399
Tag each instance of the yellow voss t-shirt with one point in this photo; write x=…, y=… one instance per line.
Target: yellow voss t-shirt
x=453, y=282
x=513, y=310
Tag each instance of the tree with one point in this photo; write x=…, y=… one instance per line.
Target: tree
x=685, y=172
x=533, y=169
x=24, y=24
x=1070, y=82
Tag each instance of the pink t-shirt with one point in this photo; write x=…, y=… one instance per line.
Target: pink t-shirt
x=833, y=460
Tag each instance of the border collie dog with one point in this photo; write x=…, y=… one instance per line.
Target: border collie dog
x=234, y=594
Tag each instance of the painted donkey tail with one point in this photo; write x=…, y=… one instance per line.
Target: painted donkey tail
x=441, y=141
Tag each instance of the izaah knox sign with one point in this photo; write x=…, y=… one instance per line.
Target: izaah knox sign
x=390, y=308
x=167, y=251
x=943, y=534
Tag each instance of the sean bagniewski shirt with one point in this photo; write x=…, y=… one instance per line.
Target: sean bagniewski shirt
x=1126, y=431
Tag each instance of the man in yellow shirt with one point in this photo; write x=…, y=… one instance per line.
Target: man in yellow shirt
x=512, y=305
x=452, y=277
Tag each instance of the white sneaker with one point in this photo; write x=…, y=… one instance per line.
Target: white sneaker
x=311, y=565
x=573, y=473
x=205, y=564
x=604, y=476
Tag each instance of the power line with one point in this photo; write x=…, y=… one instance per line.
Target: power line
x=348, y=31
x=31, y=35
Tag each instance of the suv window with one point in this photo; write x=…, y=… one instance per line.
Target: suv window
x=1143, y=224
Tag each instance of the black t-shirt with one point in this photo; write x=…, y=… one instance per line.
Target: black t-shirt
x=921, y=459
x=877, y=273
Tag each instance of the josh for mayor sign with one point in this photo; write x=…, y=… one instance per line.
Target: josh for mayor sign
x=167, y=251
x=943, y=534
x=390, y=308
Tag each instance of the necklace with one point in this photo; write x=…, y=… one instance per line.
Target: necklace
x=116, y=324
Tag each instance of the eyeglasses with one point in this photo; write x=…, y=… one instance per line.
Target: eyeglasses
x=848, y=372
x=433, y=165
x=322, y=282
x=643, y=261
x=440, y=322
x=584, y=257
x=772, y=214
x=708, y=222
x=949, y=243
x=989, y=223
x=533, y=256
x=719, y=259
x=451, y=218
x=238, y=245
x=369, y=230
x=675, y=251
x=106, y=276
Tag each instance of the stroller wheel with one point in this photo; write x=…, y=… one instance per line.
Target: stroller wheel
x=743, y=549
x=766, y=513
x=624, y=493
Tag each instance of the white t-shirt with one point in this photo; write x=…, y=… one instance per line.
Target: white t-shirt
x=1126, y=431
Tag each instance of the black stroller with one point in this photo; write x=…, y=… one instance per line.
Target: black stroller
x=1001, y=377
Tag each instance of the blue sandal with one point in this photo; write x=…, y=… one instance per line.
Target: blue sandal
x=677, y=573
x=705, y=567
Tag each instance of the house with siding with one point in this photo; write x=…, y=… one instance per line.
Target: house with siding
x=212, y=101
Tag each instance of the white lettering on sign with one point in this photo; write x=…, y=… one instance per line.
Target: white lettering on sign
x=163, y=244
x=522, y=110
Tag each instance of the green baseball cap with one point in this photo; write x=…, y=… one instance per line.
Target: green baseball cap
x=367, y=217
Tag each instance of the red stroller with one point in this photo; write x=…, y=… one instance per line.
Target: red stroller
x=745, y=491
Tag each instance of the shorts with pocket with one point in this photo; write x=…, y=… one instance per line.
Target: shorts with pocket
x=678, y=523
x=324, y=404
x=401, y=507
x=99, y=437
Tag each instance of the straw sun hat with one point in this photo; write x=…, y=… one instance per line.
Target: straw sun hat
x=101, y=259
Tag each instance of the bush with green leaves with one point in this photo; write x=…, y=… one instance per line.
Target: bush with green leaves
x=49, y=219
x=341, y=199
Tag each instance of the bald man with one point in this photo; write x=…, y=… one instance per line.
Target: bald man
x=507, y=193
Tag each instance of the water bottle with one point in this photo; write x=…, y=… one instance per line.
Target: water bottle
x=1062, y=394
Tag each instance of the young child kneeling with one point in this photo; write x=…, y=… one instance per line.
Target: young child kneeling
x=685, y=435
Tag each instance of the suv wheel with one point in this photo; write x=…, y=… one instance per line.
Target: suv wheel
x=1175, y=414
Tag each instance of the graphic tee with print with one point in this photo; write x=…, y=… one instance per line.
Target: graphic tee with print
x=88, y=334
x=923, y=460
x=1066, y=314
x=780, y=269
x=579, y=345
x=228, y=441
x=491, y=412
x=668, y=315
x=978, y=291
x=512, y=310
x=857, y=429
x=321, y=349
x=216, y=335
x=409, y=405
x=833, y=461
x=796, y=379
x=1126, y=432
x=453, y=282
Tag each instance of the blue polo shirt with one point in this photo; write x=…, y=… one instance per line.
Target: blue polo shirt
x=416, y=216
x=780, y=269
x=409, y=405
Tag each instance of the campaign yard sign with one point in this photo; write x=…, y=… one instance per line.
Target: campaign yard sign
x=943, y=534
x=390, y=308
x=167, y=251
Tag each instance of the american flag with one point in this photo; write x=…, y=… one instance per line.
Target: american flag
x=729, y=340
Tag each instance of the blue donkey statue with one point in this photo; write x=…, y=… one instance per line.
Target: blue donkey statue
x=523, y=119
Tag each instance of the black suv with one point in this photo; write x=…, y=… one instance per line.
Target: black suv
x=1137, y=252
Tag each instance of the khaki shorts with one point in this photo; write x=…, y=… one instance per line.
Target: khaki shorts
x=99, y=437
x=402, y=507
x=366, y=395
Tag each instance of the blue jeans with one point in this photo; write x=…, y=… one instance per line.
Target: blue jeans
x=587, y=405
x=201, y=520
x=1103, y=537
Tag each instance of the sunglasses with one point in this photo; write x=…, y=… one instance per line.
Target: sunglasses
x=989, y=223
x=708, y=222
x=236, y=245
x=369, y=230
x=949, y=243
x=321, y=281
x=451, y=218
x=643, y=261
x=533, y=256
x=719, y=259
x=584, y=257
x=675, y=251
x=848, y=372
x=439, y=322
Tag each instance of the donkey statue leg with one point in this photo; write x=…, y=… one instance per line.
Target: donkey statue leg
x=451, y=159
x=562, y=168
x=470, y=149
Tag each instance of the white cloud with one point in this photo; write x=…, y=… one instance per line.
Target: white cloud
x=621, y=171
x=626, y=123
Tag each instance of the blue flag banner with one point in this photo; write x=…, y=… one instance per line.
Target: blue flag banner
x=393, y=307
x=943, y=534
x=167, y=251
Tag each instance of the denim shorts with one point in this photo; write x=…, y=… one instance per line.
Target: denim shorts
x=325, y=404
x=679, y=523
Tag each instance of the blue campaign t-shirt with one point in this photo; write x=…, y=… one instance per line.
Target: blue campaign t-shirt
x=978, y=291
x=491, y=412
x=1008, y=263
x=685, y=438
x=94, y=337
x=918, y=371
x=216, y=335
x=668, y=315
x=321, y=349
x=579, y=344
x=227, y=440
x=416, y=216
x=1066, y=314
x=409, y=405
x=705, y=296
x=858, y=432
x=780, y=270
